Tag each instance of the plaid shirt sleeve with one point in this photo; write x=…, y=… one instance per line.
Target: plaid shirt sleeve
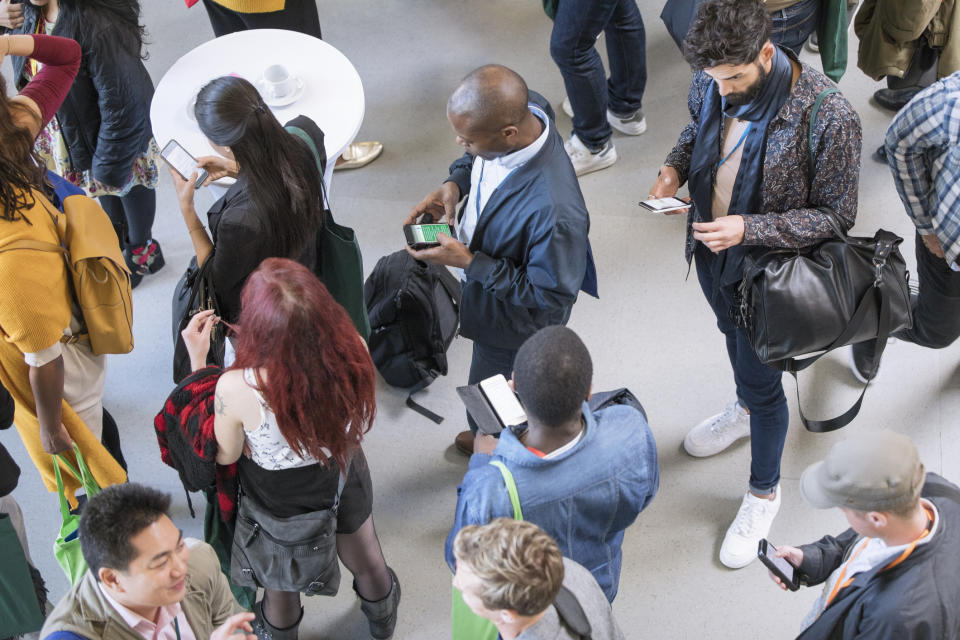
x=923, y=151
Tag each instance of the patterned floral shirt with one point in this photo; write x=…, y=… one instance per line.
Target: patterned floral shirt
x=792, y=199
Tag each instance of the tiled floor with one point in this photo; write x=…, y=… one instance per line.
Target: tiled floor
x=651, y=331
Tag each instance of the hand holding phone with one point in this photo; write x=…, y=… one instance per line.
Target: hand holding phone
x=182, y=162
x=783, y=564
x=423, y=236
x=664, y=205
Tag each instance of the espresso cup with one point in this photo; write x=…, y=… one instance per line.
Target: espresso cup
x=277, y=82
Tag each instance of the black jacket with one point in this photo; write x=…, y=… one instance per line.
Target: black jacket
x=531, y=255
x=105, y=119
x=919, y=599
x=243, y=235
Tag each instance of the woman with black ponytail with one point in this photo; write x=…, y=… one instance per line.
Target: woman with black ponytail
x=274, y=208
x=101, y=139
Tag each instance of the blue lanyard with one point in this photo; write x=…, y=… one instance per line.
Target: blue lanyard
x=737, y=146
x=176, y=627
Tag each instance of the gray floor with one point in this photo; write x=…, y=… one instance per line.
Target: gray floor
x=651, y=331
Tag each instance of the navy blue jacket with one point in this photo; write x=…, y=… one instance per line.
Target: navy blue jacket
x=919, y=599
x=531, y=255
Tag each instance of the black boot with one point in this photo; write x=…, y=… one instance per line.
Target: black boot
x=382, y=614
x=266, y=631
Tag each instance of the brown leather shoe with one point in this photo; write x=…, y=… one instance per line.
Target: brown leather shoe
x=464, y=442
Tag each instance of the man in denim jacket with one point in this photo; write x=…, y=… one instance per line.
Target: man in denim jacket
x=582, y=476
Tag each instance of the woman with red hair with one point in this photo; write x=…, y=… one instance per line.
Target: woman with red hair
x=292, y=411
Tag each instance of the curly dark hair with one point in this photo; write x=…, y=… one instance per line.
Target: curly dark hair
x=114, y=516
x=726, y=32
x=21, y=168
x=103, y=24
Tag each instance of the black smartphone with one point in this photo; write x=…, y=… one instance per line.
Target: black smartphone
x=661, y=205
x=182, y=162
x=423, y=236
x=781, y=567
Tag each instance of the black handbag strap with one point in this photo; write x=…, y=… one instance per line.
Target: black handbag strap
x=570, y=611
x=877, y=295
x=419, y=408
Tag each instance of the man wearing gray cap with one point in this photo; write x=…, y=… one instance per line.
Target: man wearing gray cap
x=895, y=574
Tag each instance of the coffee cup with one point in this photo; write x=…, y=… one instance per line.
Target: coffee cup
x=278, y=83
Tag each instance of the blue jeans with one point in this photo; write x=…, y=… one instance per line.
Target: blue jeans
x=793, y=25
x=573, y=48
x=488, y=361
x=759, y=387
x=936, y=311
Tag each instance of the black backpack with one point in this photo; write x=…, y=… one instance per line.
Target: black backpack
x=414, y=310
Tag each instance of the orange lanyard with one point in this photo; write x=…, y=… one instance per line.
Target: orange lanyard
x=34, y=65
x=840, y=584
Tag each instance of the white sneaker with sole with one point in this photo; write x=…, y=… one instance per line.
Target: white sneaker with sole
x=584, y=161
x=632, y=125
x=752, y=523
x=718, y=432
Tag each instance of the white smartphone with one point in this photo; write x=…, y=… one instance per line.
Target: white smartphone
x=503, y=400
x=182, y=162
x=661, y=205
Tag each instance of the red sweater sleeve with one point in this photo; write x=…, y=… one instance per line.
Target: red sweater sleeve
x=61, y=61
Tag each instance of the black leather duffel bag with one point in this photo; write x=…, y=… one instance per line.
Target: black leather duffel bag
x=842, y=291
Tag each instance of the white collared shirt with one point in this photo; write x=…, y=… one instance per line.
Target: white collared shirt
x=487, y=175
x=162, y=629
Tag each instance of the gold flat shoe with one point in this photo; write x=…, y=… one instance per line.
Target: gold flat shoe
x=358, y=154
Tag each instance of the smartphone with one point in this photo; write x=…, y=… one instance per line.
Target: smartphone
x=504, y=401
x=182, y=162
x=422, y=236
x=660, y=205
x=780, y=567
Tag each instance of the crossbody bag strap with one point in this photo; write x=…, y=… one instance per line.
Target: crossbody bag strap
x=340, y=484
x=571, y=612
x=511, y=488
x=303, y=135
x=813, y=121
x=876, y=295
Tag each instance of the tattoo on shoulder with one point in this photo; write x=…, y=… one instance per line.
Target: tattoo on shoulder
x=219, y=406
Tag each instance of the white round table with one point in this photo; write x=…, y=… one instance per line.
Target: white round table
x=332, y=96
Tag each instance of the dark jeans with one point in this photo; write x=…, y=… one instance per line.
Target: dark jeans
x=759, y=387
x=922, y=71
x=488, y=361
x=573, y=48
x=132, y=215
x=936, y=310
x=793, y=25
x=298, y=15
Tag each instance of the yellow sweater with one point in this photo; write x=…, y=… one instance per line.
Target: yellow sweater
x=35, y=301
x=252, y=6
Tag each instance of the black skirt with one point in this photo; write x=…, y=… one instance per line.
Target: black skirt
x=291, y=492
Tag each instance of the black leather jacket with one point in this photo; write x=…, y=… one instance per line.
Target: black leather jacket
x=105, y=119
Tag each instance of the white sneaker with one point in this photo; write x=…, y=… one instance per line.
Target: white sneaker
x=631, y=125
x=718, y=432
x=584, y=161
x=752, y=523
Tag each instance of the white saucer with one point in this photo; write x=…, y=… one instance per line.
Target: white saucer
x=288, y=99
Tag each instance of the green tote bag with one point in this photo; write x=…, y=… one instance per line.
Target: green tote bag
x=67, y=546
x=339, y=261
x=466, y=624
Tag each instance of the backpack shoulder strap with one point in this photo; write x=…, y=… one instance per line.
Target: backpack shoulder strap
x=570, y=611
x=35, y=245
x=813, y=122
x=511, y=488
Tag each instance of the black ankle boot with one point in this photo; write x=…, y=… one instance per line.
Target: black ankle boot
x=266, y=631
x=382, y=614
